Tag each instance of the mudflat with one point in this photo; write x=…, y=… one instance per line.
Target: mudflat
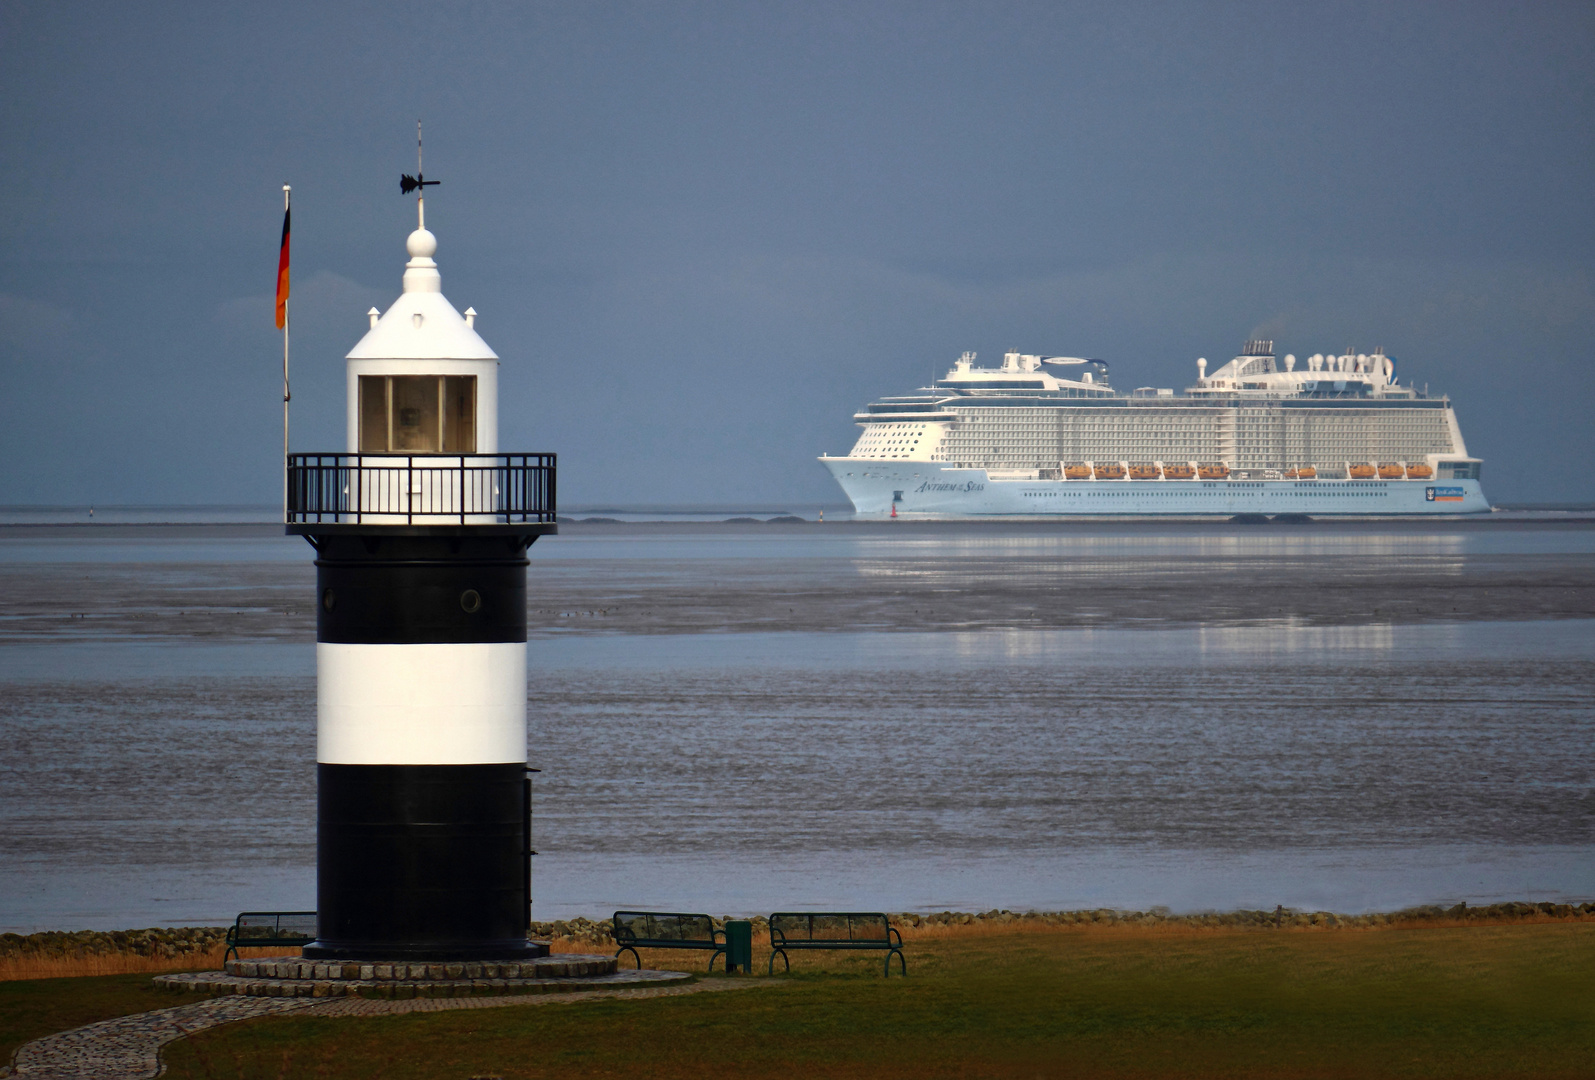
x=725, y=578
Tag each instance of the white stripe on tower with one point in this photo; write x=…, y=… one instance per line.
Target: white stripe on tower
x=421, y=704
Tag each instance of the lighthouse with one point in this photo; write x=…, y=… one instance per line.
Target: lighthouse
x=420, y=529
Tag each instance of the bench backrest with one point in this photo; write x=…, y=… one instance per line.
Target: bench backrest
x=275, y=925
x=828, y=926
x=662, y=926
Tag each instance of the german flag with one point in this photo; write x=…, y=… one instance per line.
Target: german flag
x=282, y=275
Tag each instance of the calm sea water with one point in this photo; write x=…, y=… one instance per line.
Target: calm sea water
x=157, y=708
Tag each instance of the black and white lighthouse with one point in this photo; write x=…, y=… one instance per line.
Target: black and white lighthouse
x=423, y=831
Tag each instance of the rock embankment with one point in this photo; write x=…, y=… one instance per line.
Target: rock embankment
x=1280, y=917
x=156, y=943
x=589, y=931
x=200, y=942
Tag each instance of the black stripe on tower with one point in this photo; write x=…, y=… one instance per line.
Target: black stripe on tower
x=422, y=861
x=403, y=590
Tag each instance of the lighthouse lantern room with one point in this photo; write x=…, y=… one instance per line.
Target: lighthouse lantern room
x=423, y=843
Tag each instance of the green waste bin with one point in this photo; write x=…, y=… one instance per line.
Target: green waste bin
x=739, y=945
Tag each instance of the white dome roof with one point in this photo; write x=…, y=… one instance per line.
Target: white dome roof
x=422, y=324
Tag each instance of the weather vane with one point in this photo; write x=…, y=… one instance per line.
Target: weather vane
x=408, y=183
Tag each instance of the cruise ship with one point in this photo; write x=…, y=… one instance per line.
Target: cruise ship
x=1048, y=435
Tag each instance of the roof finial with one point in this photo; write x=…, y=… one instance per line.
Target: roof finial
x=417, y=183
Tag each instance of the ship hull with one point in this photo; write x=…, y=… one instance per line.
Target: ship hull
x=927, y=488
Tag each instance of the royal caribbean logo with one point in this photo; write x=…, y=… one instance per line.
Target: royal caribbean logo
x=1442, y=494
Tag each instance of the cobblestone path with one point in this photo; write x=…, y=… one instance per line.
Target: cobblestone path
x=128, y=1047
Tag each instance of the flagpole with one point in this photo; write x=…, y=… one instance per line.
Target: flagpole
x=286, y=397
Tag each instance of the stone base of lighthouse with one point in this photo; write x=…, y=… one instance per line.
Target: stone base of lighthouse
x=291, y=976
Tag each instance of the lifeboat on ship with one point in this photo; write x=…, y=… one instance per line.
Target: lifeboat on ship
x=1362, y=472
x=1145, y=472
x=1212, y=472
x=1110, y=472
x=1306, y=472
x=1179, y=472
x=1392, y=472
x=1077, y=472
x=1419, y=472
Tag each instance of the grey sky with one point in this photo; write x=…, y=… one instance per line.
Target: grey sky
x=700, y=236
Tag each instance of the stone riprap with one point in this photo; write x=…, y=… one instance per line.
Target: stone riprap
x=294, y=977
x=164, y=942
x=589, y=932
x=183, y=942
x=1279, y=917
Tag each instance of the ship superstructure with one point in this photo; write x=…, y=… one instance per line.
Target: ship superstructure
x=1337, y=434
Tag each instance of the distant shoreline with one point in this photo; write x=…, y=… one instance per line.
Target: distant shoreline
x=80, y=529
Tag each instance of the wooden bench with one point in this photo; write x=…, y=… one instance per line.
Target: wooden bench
x=635, y=930
x=791, y=930
x=268, y=929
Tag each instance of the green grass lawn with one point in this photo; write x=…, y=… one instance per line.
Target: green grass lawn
x=32, y=1008
x=1482, y=1001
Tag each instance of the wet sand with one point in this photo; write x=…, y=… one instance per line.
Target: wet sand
x=623, y=579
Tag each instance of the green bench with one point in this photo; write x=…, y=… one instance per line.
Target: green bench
x=791, y=931
x=269, y=929
x=635, y=930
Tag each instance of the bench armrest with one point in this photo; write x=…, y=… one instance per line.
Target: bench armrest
x=716, y=935
x=891, y=932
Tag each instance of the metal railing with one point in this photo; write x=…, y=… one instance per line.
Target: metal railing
x=420, y=489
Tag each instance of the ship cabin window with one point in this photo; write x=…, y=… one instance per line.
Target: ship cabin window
x=418, y=414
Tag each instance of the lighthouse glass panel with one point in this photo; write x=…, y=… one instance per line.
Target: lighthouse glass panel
x=418, y=414
x=416, y=427
x=459, y=414
x=373, y=414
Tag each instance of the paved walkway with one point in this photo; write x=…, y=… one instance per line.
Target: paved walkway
x=129, y=1047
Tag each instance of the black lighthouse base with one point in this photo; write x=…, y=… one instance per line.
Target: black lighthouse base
x=422, y=863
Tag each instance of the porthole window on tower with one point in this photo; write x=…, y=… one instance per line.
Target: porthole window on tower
x=418, y=414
